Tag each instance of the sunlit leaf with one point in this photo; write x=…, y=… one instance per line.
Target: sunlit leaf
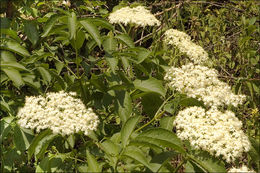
x=150, y=85
x=92, y=30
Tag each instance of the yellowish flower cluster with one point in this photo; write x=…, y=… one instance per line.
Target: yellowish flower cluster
x=183, y=42
x=202, y=83
x=242, y=169
x=61, y=112
x=138, y=16
x=217, y=132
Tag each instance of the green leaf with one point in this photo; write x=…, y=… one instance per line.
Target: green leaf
x=97, y=81
x=166, y=123
x=110, y=147
x=101, y=22
x=16, y=48
x=44, y=165
x=151, y=103
x=21, y=139
x=43, y=145
x=162, y=158
x=192, y=167
x=36, y=141
x=5, y=125
x=11, y=33
x=30, y=29
x=45, y=75
x=80, y=38
x=59, y=79
x=126, y=39
x=50, y=23
x=83, y=168
x=150, y=85
x=190, y=102
x=254, y=151
x=110, y=44
x=5, y=106
x=29, y=80
x=113, y=62
x=125, y=62
x=72, y=25
x=7, y=56
x=123, y=105
x=13, y=65
x=93, y=165
x=172, y=105
x=142, y=55
x=161, y=138
x=128, y=128
x=92, y=30
x=14, y=75
x=138, y=155
x=208, y=163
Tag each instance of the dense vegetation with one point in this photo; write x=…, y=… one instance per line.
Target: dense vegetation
x=118, y=71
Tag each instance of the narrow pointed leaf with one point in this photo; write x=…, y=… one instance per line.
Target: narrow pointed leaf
x=139, y=156
x=13, y=65
x=43, y=145
x=49, y=24
x=126, y=40
x=45, y=74
x=21, y=138
x=167, y=123
x=110, y=44
x=150, y=85
x=36, y=141
x=72, y=25
x=112, y=62
x=16, y=48
x=30, y=29
x=92, y=30
x=161, y=138
x=123, y=105
x=7, y=56
x=101, y=22
x=142, y=55
x=207, y=162
x=11, y=33
x=14, y=75
x=128, y=128
x=93, y=165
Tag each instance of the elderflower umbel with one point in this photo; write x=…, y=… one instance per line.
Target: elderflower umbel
x=243, y=169
x=60, y=112
x=202, y=83
x=138, y=16
x=217, y=132
x=183, y=42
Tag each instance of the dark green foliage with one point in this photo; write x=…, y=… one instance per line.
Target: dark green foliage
x=119, y=71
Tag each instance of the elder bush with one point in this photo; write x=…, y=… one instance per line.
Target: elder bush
x=146, y=86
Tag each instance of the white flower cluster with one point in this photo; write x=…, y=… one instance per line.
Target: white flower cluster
x=243, y=169
x=202, y=83
x=60, y=112
x=183, y=42
x=216, y=132
x=138, y=16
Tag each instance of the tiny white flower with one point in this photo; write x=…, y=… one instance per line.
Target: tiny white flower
x=183, y=42
x=202, y=83
x=243, y=169
x=138, y=16
x=195, y=124
x=62, y=113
